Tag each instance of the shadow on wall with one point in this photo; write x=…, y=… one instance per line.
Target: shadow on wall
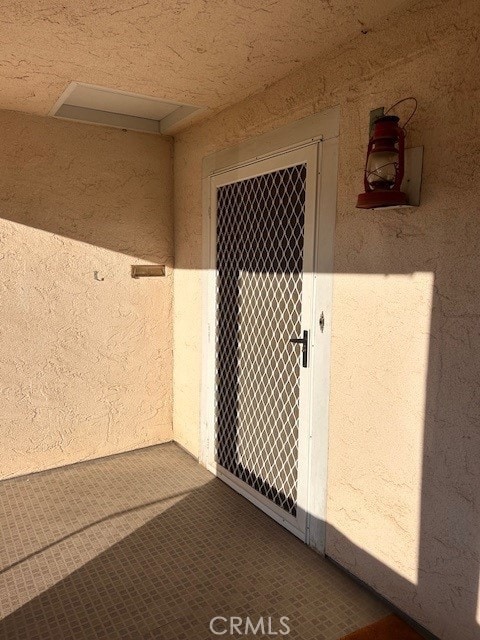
x=105, y=187
x=85, y=349
x=211, y=554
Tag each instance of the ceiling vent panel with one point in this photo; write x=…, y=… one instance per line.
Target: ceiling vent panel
x=120, y=109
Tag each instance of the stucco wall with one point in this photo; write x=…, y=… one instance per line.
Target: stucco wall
x=85, y=364
x=403, y=487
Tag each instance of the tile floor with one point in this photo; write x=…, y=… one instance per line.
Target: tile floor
x=148, y=544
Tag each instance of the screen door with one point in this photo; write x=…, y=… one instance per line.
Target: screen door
x=264, y=235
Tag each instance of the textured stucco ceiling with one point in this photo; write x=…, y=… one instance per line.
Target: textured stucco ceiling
x=209, y=53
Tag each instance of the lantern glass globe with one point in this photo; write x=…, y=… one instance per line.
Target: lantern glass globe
x=382, y=169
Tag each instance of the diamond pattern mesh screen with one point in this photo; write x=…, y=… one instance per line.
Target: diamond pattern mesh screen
x=260, y=233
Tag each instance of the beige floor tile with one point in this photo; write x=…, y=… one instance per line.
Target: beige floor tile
x=148, y=544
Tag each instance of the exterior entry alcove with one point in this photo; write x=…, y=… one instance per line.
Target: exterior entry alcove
x=96, y=365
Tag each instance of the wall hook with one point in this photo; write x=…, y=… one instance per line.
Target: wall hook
x=95, y=275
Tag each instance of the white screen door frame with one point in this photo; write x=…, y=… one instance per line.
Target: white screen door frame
x=320, y=154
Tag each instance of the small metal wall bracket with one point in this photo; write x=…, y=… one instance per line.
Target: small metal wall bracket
x=147, y=270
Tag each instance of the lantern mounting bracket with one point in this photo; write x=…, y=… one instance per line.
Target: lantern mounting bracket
x=374, y=114
x=412, y=180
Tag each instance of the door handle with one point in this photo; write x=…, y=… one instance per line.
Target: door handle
x=304, y=342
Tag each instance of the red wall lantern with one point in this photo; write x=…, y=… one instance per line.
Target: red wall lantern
x=385, y=166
